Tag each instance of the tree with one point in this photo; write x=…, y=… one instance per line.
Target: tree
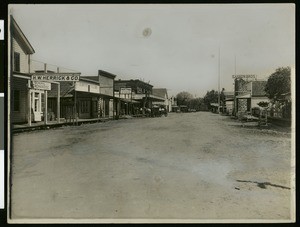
x=183, y=98
x=211, y=97
x=279, y=83
x=196, y=103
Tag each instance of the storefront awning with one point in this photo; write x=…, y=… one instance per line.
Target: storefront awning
x=127, y=100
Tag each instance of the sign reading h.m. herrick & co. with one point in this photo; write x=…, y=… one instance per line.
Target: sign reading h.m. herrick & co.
x=55, y=77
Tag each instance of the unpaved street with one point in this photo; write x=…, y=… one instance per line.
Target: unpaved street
x=184, y=166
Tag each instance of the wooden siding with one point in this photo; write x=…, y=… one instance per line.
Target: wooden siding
x=20, y=85
x=24, y=67
x=106, y=86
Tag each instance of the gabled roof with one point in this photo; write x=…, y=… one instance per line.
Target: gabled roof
x=258, y=88
x=161, y=92
x=20, y=37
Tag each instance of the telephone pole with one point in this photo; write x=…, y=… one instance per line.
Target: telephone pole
x=219, y=82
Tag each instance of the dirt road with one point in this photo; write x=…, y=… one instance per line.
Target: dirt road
x=184, y=166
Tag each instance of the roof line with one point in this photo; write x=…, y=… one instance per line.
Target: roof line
x=22, y=35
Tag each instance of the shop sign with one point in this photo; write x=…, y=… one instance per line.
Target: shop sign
x=244, y=77
x=125, y=91
x=56, y=77
x=41, y=85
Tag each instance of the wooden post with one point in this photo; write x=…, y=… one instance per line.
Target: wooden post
x=75, y=111
x=104, y=107
x=29, y=104
x=46, y=108
x=58, y=102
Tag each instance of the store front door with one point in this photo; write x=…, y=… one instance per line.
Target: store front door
x=37, y=104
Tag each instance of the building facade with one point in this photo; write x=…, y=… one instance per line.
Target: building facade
x=90, y=97
x=21, y=94
x=248, y=94
x=139, y=95
x=163, y=93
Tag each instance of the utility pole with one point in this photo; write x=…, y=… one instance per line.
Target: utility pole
x=219, y=83
x=234, y=89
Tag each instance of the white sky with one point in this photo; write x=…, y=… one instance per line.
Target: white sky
x=181, y=54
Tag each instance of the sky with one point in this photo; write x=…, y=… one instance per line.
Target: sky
x=184, y=47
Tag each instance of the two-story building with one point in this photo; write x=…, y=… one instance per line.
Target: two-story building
x=27, y=93
x=22, y=96
x=139, y=93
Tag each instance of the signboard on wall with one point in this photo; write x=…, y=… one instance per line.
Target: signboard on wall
x=86, y=87
x=55, y=77
x=252, y=77
x=41, y=85
x=125, y=90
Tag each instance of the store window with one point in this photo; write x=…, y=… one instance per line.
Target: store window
x=16, y=62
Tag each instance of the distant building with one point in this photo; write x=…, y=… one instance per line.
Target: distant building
x=174, y=107
x=139, y=95
x=248, y=94
x=229, y=101
x=162, y=92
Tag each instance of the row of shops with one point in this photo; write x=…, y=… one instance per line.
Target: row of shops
x=49, y=93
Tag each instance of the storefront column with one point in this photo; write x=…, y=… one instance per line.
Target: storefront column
x=58, y=103
x=75, y=106
x=46, y=108
x=104, y=108
x=29, y=104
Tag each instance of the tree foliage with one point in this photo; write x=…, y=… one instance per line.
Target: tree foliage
x=183, y=98
x=196, y=104
x=211, y=97
x=278, y=83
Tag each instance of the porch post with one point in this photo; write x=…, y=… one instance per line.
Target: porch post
x=29, y=104
x=104, y=108
x=58, y=102
x=75, y=106
x=46, y=108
